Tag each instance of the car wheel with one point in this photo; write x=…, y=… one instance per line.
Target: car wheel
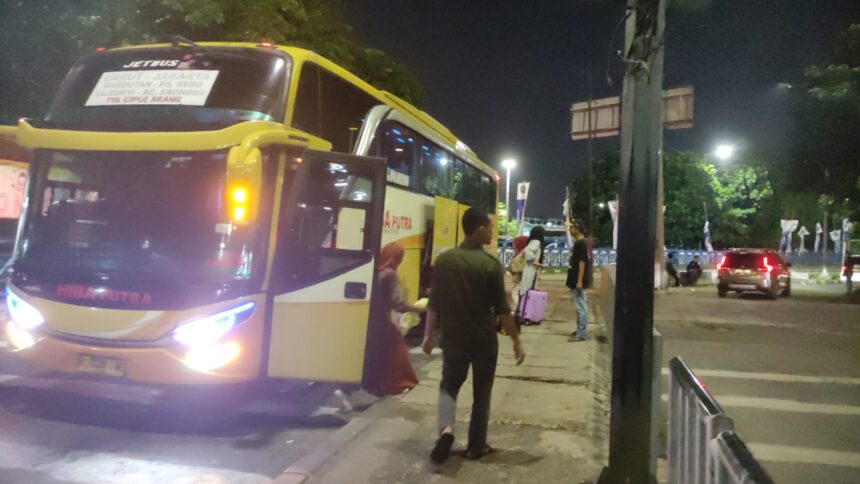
x=787, y=291
x=721, y=291
x=773, y=293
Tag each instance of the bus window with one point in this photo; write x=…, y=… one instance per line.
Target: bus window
x=470, y=192
x=436, y=171
x=330, y=107
x=306, y=115
x=488, y=193
x=399, y=149
x=326, y=236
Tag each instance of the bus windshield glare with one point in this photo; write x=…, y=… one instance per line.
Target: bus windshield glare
x=178, y=88
x=146, y=223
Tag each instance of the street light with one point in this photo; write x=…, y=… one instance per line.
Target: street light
x=509, y=164
x=724, y=152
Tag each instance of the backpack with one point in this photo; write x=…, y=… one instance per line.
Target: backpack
x=518, y=263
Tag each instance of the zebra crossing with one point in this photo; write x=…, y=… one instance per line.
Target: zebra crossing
x=787, y=373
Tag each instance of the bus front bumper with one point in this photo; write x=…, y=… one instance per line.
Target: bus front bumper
x=225, y=363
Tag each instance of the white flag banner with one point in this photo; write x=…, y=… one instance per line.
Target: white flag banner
x=788, y=226
x=836, y=237
x=522, y=198
x=613, y=212
x=802, y=233
x=846, y=235
x=565, y=210
x=818, y=232
x=707, y=236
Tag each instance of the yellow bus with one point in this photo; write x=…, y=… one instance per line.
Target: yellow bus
x=211, y=213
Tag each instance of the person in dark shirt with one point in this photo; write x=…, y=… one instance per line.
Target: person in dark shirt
x=467, y=296
x=577, y=279
x=670, y=268
x=694, y=270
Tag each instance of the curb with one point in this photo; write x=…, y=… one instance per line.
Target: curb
x=302, y=469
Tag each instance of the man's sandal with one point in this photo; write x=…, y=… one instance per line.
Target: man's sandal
x=477, y=454
x=442, y=449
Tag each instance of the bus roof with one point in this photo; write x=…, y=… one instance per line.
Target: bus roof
x=418, y=116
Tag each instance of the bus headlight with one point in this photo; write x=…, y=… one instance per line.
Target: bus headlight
x=206, y=331
x=20, y=338
x=210, y=357
x=22, y=312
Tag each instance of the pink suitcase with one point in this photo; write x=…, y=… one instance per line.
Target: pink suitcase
x=533, y=306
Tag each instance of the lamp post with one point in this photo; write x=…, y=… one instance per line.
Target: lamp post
x=724, y=152
x=509, y=164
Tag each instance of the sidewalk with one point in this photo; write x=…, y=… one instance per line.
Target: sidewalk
x=539, y=423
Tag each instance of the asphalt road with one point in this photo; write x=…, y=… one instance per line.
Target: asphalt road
x=53, y=429
x=786, y=371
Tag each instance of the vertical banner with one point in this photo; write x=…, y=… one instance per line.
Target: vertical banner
x=788, y=226
x=846, y=236
x=613, y=212
x=818, y=232
x=706, y=234
x=802, y=233
x=568, y=216
x=522, y=198
x=836, y=237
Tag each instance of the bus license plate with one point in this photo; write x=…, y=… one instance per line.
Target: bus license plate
x=101, y=365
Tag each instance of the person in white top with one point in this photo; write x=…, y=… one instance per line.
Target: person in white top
x=533, y=260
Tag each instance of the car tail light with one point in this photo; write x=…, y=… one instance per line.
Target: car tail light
x=765, y=266
x=722, y=264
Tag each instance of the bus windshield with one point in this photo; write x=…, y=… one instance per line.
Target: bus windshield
x=143, y=223
x=178, y=88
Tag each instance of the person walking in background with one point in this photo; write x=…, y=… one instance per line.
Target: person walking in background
x=467, y=297
x=391, y=371
x=533, y=255
x=670, y=268
x=517, y=265
x=577, y=279
x=694, y=270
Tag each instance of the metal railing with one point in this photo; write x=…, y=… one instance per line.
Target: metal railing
x=703, y=448
x=733, y=461
x=559, y=257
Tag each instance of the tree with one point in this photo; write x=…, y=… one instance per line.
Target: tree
x=688, y=190
x=606, y=178
x=67, y=29
x=741, y=193
x=507, y=228
x=827, y=120
x=738, y=201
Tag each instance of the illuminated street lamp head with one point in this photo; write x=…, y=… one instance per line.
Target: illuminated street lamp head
x=724, y=152
x=509, y=164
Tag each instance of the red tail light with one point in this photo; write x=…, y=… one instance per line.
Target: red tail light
x=721, y=264
x=765, y=266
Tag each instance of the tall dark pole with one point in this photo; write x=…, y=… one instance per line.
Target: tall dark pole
x=590, y=160
x=641, y=138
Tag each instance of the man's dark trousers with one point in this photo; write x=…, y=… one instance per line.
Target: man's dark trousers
x=456, y=360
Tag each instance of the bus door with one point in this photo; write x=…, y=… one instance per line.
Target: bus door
x=324, y=266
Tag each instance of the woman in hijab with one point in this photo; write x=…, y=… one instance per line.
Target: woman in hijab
x=533, y=254
x=517, y=265
x=390, y=370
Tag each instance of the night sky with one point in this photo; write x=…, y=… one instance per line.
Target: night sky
x=502, y=75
